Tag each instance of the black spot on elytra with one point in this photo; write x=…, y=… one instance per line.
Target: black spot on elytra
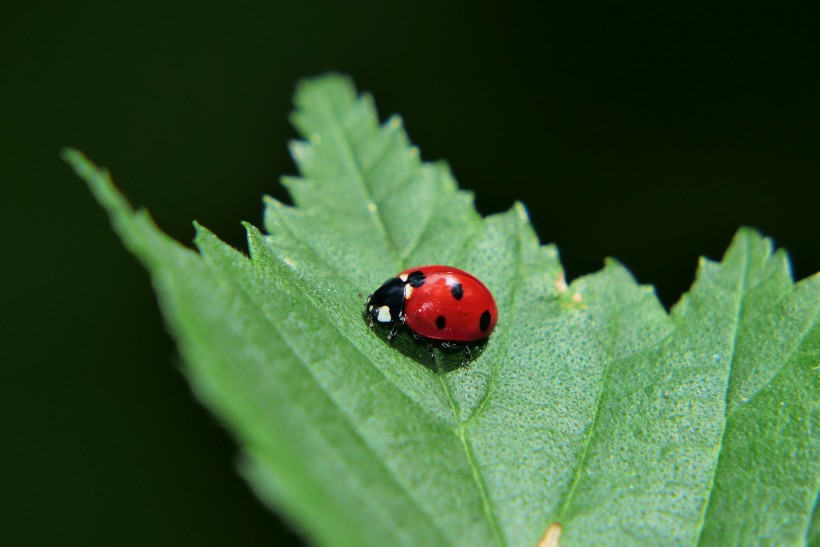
x=416, y=279
x=440, y=322
x=457, y=290
x=484, y=322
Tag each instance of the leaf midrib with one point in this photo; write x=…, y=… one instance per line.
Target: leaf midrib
x=335, y=125
x=336, y=325
x=477, y=475
x=784, y=364
x=340, y=412
x=591, y=431
x=461, y=427
x=738, y=321
x=427, y=220
x=362, y=176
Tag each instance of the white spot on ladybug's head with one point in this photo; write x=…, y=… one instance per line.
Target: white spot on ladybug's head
x=408, y=290
x=384, y=315
x=403, y=277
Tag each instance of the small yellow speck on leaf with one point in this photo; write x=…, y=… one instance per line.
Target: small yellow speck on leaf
x=561, y=283
x=551, y=536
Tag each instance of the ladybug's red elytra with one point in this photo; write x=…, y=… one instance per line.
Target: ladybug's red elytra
x=438, y=303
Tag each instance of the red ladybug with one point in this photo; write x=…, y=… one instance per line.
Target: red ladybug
x=438, y=303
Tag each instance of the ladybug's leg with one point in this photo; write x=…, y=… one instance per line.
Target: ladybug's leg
x=368, y=310
x=468, y=355
x=396, y=326
x=430, y=349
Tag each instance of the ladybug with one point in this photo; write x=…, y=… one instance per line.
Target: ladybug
x=438, y=303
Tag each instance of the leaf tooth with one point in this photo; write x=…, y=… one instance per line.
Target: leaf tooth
x=303, y=152
x=271, y=201
x=395, y=123
x=522, y=212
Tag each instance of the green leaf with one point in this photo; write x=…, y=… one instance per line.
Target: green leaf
x=814, y=531
x=590, y=407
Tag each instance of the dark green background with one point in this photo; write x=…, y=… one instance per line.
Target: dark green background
x=644, y=133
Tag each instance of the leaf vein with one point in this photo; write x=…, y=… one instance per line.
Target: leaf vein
x=504, y=345
x=354, y=163
x=477, y=476
x=243, y=290
x=738, y=320
x=337, y=326
x=786, y=361
x=590, y=432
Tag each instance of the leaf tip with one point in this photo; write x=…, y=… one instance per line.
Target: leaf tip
x=300, y=150
x=267, y=199
x=331, y=78
x=521, y=211
x=751, y=244
x=79, y=162
x=749, y=232
x=251, y=229
x=748, y=239
x=256, y=239
x=615, y=267
x=201, y=233
x=395, y=122
x=614, y=263
x=71, y=155
x=99, y=182
x=327, y=84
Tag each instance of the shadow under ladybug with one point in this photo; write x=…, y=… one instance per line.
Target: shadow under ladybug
x=442, y=306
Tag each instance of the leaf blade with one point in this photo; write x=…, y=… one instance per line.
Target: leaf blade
x=774, y=371
x=591, y=407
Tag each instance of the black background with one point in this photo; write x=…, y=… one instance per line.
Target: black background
x=645, y=133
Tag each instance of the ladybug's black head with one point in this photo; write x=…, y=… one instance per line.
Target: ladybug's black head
x=386, y=305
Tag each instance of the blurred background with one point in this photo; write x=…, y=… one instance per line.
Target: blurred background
x=648, y=134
